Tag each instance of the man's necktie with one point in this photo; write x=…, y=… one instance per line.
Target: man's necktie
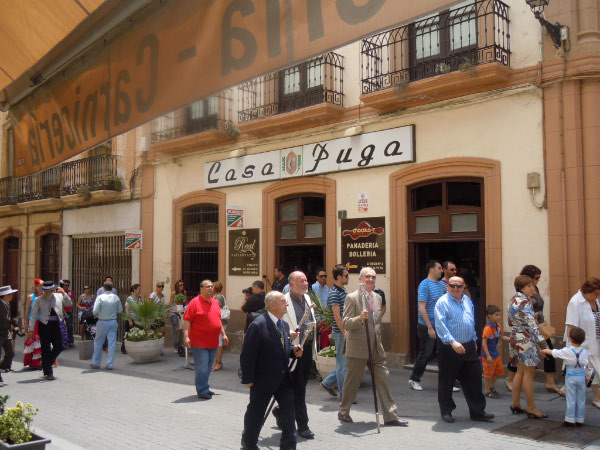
x=280, y=329
x=370, y=298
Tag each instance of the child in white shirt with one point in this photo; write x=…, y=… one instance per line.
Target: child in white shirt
x=576, y=359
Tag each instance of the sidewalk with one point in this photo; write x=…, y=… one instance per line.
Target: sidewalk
x=151, y=406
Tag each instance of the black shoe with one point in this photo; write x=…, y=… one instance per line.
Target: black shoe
x=306, y=434
x=211, y=392
x=485, y=417
x=123, y=351
x=248, y=446
x=206, y=396
x=568, y=424
x=448, y=418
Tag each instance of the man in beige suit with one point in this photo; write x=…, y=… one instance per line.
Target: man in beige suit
x=356, y=312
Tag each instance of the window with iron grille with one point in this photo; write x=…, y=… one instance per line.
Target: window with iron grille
x=49, y=257
x=200, y=241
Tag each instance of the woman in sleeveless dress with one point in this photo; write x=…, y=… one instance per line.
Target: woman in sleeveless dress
x=32, y=353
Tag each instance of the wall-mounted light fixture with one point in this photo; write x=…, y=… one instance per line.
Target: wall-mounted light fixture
x=534, y=185
x=557, y=32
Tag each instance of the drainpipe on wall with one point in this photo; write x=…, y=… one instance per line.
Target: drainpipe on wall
x=563, y=188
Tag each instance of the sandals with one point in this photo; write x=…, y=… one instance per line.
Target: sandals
x=217, y=366
x=508, y=386
x=492, y=393
x=531, y=415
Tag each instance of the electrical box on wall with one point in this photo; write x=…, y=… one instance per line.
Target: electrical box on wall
x=533, y=180
x=342, y=214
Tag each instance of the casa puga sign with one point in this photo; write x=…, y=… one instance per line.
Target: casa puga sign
x=363, y=244
x=243, y=252
x=379, y=148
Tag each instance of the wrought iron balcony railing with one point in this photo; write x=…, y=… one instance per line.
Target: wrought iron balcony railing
x=319, y=80
x=476, y=32
x=95, y=173
x=92, y=174
x=7, y=192
x=211, y=113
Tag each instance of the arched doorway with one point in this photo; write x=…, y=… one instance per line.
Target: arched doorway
x=445, y=223
x=400, y=260
x=300, y=234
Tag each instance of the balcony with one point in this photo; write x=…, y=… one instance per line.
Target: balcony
x=96, y=173
x=308, y=93
x=212, y=113
x=457, y=42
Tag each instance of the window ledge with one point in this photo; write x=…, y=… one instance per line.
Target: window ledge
x=184, y=144
x=40, y=205
x=441, y=87
x=8, y=209
x=299, y=119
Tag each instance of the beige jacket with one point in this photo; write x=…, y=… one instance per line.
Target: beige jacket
x=356, y=338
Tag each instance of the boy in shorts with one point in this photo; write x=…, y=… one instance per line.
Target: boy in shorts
x=576, y=360
x=490, y=350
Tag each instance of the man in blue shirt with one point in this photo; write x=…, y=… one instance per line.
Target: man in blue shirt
x=337, y=297
x=320, y=287
x=106, y=308
x=430, y=289
x=457, y=353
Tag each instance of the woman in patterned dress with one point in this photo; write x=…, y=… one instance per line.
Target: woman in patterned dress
x=583, y=311
x=524, y=340
x=32, y=353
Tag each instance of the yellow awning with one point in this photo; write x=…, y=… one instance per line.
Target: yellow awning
x=31, y=29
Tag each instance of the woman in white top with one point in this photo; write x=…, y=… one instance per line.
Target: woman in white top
x=159, y=297
x=583, y=311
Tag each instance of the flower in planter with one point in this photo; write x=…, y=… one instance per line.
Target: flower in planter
x=16, y=422
x=146, y=314
x=328, y=352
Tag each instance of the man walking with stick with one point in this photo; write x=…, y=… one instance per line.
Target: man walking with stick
x=362, y=315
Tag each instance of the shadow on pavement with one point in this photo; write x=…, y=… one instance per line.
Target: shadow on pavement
x=188, y=399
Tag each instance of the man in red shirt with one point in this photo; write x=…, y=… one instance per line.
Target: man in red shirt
x=201, y=329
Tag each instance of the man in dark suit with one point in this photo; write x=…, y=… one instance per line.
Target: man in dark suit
x=264, y=361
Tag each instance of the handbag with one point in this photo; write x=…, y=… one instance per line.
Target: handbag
x=547, y=330
x=225, y=313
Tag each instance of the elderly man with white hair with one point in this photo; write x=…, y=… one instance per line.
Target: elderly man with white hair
x=297, y=302
x=357, y=312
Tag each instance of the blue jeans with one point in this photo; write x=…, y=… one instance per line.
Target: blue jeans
x=575, y=397
x=105, y=329
x=340, y=364
x=203, y=361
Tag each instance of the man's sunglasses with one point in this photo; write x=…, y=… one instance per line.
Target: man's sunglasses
x=455, y=286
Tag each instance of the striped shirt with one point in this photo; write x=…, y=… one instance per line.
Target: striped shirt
x=429, y=292
x=337, y=297
x=455, y=320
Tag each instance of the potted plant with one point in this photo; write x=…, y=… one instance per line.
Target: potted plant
x=179, y=301
x=326, y=356
x=142, y=343
x=15, y=424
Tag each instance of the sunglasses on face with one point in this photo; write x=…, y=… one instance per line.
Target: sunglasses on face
x=322, y=276
x=455, y=286
x=370, y=277
x=537, y=277
x=160, y=285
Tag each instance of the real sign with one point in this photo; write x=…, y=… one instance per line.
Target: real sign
x=243, y=252
x=379, y=148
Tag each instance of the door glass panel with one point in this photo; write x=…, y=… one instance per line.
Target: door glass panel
x=313, y=207
x=460, y=223
x=428, y=196
x=288, y=231
x=313, y=230
x=289, y=210
x=427, y=224
x=464, y=193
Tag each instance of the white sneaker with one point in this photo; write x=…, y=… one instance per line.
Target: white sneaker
x=455, y=389
x=415, y=385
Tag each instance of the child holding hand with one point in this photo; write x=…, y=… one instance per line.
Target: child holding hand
x=576, y=359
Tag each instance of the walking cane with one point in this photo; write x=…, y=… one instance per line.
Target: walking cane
x=363, y=295
x=309, y=328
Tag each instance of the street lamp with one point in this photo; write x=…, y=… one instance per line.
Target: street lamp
x=553, y=29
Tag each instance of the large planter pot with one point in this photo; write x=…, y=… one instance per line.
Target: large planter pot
x=145, y=351
x=325, y=365
x=36, y=443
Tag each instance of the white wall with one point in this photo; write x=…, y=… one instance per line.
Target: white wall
x=506, y=128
